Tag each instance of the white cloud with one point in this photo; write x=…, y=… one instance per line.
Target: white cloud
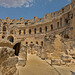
x=16, y=3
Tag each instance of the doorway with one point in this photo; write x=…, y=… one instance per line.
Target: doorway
x=17, y=48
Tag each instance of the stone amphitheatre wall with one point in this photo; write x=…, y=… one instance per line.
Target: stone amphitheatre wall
x=34, y=30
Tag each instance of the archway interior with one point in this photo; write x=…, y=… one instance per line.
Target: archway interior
x=10, y=38
x=17, y=48
x=66, y=36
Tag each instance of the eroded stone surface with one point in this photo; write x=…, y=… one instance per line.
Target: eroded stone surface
x=8, y=62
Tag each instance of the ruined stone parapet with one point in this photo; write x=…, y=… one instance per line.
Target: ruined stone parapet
x=22, y=56
x=8, y=62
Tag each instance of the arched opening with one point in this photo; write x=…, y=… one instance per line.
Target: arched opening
x=29, y=31
x=6, y=19
x=11, y=32
x=21, y=19
x=62, y=10
x=5, y=23
x=40, y=30
x=35, y=30
x=11, y=23
x=34, y=19
x=37, y=42
x=24, y=31
x=26, y=23
x=41, y=43
x=17, y=48
x=10, y=38
x=51, y=27
x=57, y=24
x=31, y=42
x=45, y=28
x=26, y=43
x=4, y=28
x=3, y=37
x=41, y=20
x=66, y=36
x=19, y=32
x=66, y=21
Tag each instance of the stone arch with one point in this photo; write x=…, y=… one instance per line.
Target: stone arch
x=41, y=43
x=35, y=18
x=57, y=24
x=35, y=30
x=45, y=28
x=19, y=32
x=51, y=27
x=26, y=43
x=3, y=37
x=5, y=23
x=17, y=48
x=26, y=23
x=4, y=28
x=66, y=36
x=24, y=31
x=11, y=23
x=11, y=32
x=62, y=10
x=7, y=18
x=40, y=30
x=21, y=19
x=10, y=38
x=31, y=42
x=29, y=31
x=37, y=42
x=41, y=20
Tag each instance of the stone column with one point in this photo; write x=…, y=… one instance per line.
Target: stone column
x=43, y=54
x=23, y=55
x=31, y=45
x=8, y=62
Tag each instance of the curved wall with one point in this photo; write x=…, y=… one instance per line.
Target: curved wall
x=34, y=30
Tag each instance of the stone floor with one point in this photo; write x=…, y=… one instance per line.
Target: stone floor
x=36, y=66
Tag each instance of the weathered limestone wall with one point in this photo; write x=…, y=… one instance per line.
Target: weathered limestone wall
x=22, y=55
x=59, y=50
x=35, y=29
x=8, y=61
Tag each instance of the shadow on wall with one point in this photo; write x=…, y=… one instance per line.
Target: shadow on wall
x=17, y=47
x=10, y=38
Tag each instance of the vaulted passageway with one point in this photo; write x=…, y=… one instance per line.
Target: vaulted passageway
x=17, y=48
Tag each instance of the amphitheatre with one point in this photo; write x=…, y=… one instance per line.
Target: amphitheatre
x=39, y=46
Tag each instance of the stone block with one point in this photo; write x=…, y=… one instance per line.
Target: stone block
x=56, y=62
x=21, y=62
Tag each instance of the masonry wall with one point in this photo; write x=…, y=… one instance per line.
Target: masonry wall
x=34, y=30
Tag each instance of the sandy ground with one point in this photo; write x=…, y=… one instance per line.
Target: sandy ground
x=65, y=70
x=36, y=66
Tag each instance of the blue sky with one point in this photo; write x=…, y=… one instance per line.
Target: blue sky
x=14, y=9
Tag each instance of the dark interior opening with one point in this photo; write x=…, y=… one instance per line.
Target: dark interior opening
x=66, y=36
x=17, y=48
x=10, y=38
